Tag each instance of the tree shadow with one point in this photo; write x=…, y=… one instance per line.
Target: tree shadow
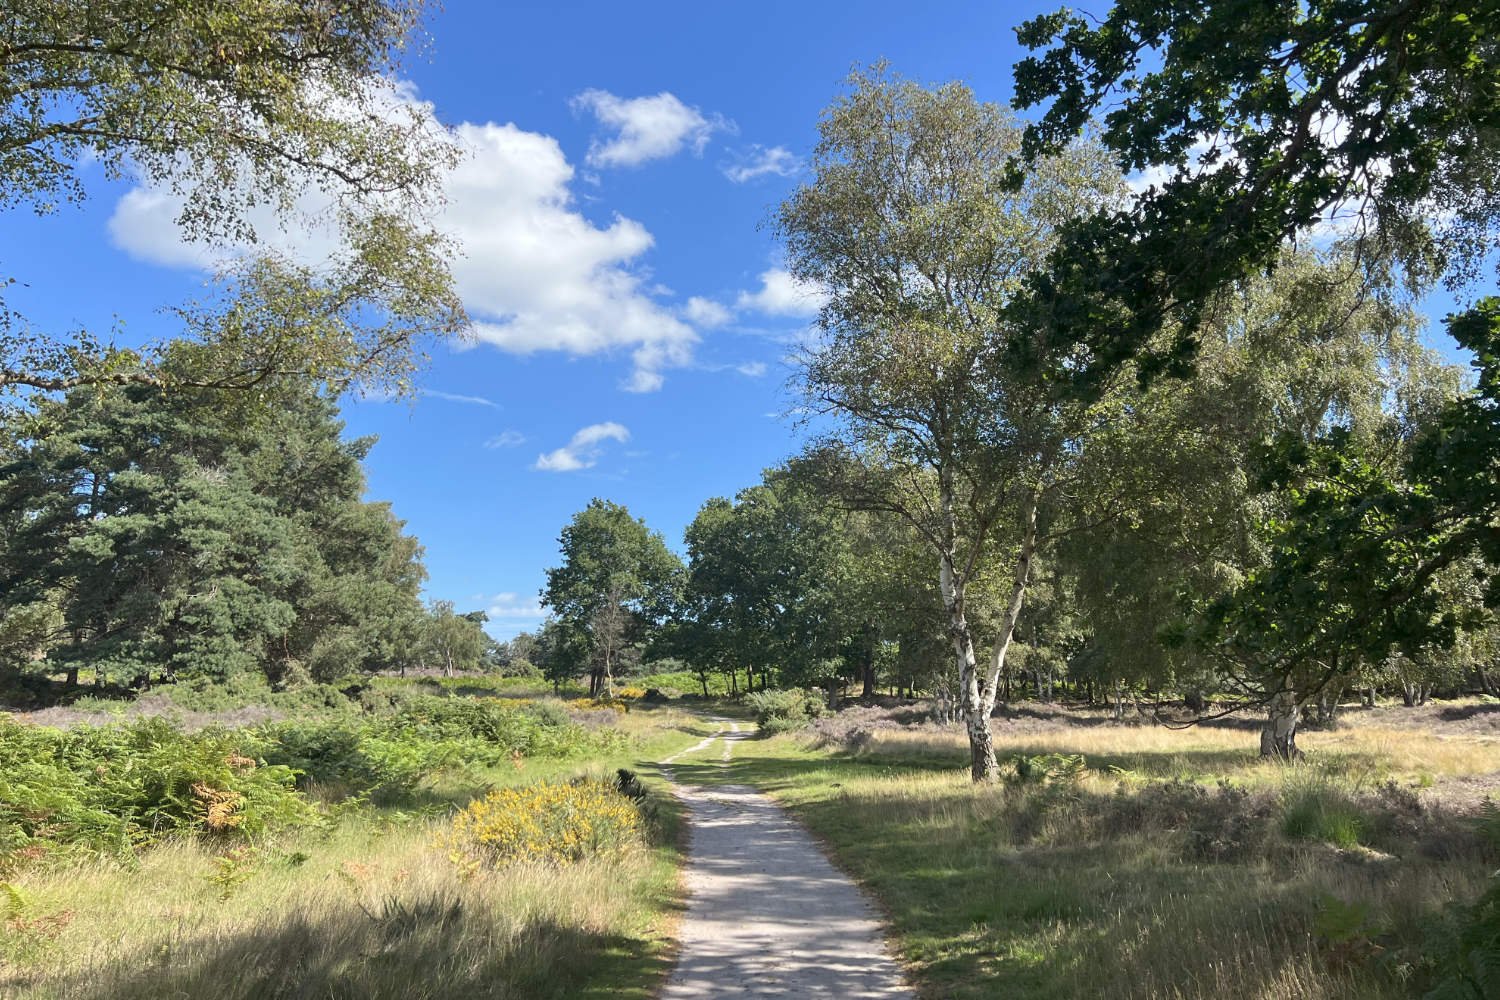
x=1458, y=713
x=429, y=948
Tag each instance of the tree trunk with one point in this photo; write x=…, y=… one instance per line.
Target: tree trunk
x=72, y=679
x=982, y=763
x=1485, y=684
x=1279, y=737
x=1408, y=694
x=979, y=693
x=609, y=675
x=868, y=690
x=1328, y=703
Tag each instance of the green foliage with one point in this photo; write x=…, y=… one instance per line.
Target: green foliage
x=1466, y=951
x=391, y=754
x=1230, y=102
x=618, y=580
x=1367, y=558
x=114, y=788
x=1049, y=768
x=177, y=538
x=783, y=583
x=787, y=709
x=231, y=109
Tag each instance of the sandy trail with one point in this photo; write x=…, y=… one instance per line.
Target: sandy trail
x=768, y=915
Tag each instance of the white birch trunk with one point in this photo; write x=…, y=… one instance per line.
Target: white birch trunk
x=1279, y=737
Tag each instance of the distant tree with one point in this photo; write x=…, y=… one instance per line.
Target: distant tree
x=562, y=652
x=617, y=580
x=235, y=108
x=456, y=642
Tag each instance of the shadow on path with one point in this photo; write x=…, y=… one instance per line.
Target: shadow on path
x=768, y=915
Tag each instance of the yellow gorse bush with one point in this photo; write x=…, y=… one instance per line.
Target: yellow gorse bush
x=552, y=823
x=592, y=704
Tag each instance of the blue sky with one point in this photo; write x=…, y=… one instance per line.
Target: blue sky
x=634, y=321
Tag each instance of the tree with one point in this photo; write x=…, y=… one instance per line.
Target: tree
x=236, y=107
x=1295, y=353
x=1361, y=560
x=172, y=537
x=783, y=583
x=911, y=227
x=617, y=579
x=1257, y=123
x=1260, y=124
x=456, y=641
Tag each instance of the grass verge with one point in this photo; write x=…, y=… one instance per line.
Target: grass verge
x=1174, y=867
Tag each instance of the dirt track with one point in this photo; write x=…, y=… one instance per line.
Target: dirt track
x=768, y=915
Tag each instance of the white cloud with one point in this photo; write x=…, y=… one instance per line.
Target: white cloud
x=780, y=294
x=706, y=312
x=643, y=380
x=453, y=397
x=510, y=605
x=506, y=439
x=759, y=161
x=583, y=450
x=645, y=128
x=751, y=369
x=535, y=274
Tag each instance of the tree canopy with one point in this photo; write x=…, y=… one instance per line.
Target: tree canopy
x=236, y=110
x=1252, y=124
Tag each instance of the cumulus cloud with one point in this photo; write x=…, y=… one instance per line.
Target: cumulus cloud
x=533, y=271
x=506, y=439
x=706, y=312
x=645, y=128
x=760, y=161
x=780, y=294
x=583, y=450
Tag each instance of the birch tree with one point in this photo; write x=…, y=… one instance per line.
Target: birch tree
x=943, y=410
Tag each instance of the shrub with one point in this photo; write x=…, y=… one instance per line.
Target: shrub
x=1314, y=809
x=1048, y=768
x=782, y=711
x=109, y=789
x=550, y=823
x=1465, y=950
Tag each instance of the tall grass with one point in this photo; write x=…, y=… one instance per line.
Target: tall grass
x=369, y=904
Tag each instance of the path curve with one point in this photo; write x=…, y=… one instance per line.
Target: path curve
x=767, y=914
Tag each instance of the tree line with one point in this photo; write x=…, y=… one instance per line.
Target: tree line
x=1128, y=394
x=1237, y=473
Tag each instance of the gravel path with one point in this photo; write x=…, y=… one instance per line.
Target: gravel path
x=768, y=915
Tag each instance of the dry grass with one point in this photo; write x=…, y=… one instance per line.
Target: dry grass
x=373, y=908
x=369, y=913
x=1177, y=865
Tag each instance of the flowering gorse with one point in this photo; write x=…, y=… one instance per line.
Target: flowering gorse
x=550, y=823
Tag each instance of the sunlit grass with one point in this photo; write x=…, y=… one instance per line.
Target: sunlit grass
x=373, y=907
x=1144, y=878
